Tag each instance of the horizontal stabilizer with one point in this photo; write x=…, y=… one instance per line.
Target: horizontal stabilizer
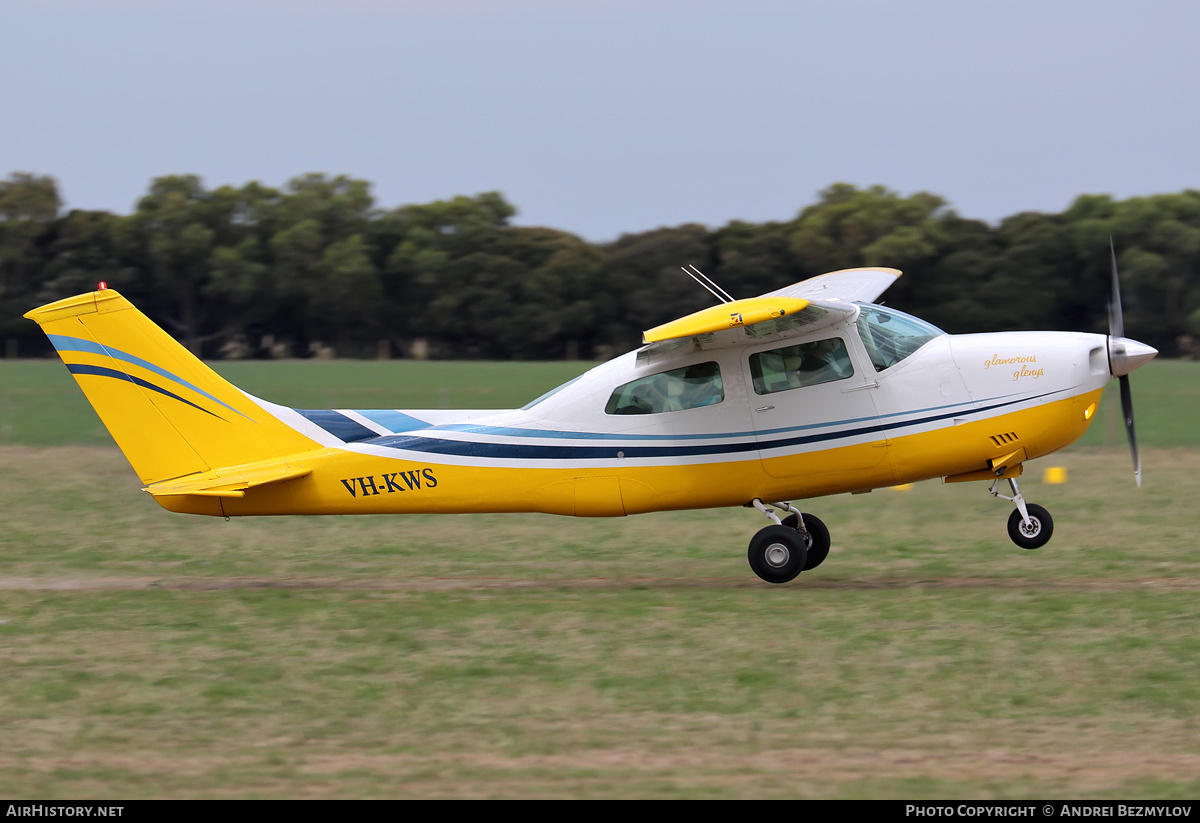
x=232, y=482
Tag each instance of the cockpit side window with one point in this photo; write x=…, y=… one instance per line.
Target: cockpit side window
x=805, y=364
x=687, y=388
x=890, y=336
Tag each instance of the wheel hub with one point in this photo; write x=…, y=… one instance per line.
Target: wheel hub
x=777, y=555
x=1030, y=529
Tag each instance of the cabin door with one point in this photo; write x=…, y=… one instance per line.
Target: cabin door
x=813, y=410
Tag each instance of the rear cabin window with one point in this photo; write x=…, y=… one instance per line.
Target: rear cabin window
x=687, y=388
x=805, y=364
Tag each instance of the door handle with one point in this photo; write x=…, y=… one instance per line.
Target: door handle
x=874, y=384
x=764, y=408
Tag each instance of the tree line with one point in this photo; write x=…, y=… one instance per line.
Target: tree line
x=318, y=267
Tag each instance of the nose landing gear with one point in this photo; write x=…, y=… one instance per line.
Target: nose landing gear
x=1029, y=526
x=789, y=546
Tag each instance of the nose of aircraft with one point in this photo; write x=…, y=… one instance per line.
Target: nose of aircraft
x=1125, y=355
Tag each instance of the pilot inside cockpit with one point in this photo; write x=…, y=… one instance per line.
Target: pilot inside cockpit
x=803, y=364
x=824, y=361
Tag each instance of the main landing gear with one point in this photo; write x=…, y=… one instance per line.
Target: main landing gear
x=1029, y=526
x=796, y=543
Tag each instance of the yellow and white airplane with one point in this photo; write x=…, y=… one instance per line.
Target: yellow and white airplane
x=806, y=391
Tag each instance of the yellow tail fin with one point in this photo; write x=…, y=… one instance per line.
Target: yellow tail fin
x=170, y=414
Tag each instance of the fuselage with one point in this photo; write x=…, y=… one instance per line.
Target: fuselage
x=701, y=423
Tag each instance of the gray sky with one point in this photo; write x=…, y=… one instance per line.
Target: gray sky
x=608, y=117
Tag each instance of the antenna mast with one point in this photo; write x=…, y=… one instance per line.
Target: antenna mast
x=713, y=289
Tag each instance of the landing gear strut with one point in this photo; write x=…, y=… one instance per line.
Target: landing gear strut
x=782, y=550
x=1030, y=526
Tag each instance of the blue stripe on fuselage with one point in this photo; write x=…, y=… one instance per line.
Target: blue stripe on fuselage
x=338, y=424
x=392, y=420
x=521, y=451
x=552, y=434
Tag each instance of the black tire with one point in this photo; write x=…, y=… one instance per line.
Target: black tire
x=818, y=538
x=1034, y=536
x=777, y=554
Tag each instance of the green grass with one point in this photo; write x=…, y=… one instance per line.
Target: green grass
x=652, y=691
x=157, y=655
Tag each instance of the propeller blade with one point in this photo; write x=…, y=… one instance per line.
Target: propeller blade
x=1127, y=412
x=1123, y=357
x=1116, y=319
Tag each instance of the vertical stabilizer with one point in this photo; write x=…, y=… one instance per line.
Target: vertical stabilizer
x=170, y=414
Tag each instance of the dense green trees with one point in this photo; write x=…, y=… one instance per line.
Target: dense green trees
x=255, y=271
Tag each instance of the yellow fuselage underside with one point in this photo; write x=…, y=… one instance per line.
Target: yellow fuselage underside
x=349, y=482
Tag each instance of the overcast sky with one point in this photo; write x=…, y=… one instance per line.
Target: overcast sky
x=607, y=117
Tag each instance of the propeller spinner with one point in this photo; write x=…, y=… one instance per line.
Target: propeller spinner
x=1125, y=355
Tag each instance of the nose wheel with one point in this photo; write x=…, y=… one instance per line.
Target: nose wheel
x=1034, y=533
x=1029, y=526
x=789, y=546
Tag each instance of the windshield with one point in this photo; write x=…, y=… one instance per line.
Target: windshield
x=890, y=335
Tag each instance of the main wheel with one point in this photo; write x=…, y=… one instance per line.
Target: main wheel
x=1036, y=533
x=777, y=554
x=818, y=538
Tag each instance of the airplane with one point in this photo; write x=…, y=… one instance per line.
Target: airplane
x=810, y=390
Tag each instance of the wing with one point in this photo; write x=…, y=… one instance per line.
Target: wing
x=809, y=305
x=847, y=285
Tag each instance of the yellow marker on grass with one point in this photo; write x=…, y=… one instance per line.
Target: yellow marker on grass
x=1055, y=475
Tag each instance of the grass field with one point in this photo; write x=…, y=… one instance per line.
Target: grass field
x=155, y=655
